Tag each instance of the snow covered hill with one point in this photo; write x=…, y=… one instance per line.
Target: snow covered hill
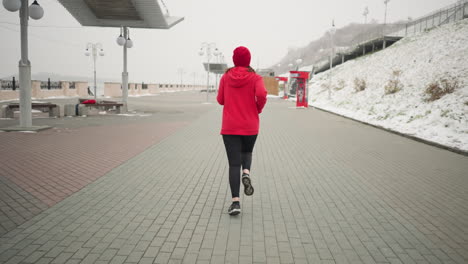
x=413, y=64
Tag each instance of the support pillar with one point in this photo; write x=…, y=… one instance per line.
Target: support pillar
x=125, y=74
x=25, y=69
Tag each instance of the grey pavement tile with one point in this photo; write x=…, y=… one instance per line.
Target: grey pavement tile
x=352, y=194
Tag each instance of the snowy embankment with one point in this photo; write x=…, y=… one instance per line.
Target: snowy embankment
x=413, y=64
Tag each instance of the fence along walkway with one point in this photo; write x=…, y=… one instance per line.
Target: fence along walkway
x=449, y=14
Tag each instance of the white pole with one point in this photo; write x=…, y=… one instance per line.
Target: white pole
x=94, y=58
x=25, y=69
x=385, y=17
x=125, y=73
x=208, y=79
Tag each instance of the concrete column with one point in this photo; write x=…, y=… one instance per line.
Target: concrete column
x=364, y=50
x=384, y=43
x=125, y=73
x=342, y=58
x=25, y=69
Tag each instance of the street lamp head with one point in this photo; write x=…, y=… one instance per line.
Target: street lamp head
x=121, y=40
x=12, y=5
x=101, y=53
x=87, y=53
x=201, y=53
x=298, y=61
x=129, y=43
x=290, y=65
x=36, y=11
x=386, y=1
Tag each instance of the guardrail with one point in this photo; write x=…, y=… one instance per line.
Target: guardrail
x=9, y=85
x=448, y=14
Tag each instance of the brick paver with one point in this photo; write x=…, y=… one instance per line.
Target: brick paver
x=41, y=169
x=327, y=190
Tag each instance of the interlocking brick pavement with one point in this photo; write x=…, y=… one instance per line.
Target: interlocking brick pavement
x=38, y=170
x=327, y=190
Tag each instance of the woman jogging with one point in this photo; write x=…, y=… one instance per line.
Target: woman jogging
x=243, y=95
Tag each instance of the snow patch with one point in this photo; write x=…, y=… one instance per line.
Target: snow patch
x=421, y=59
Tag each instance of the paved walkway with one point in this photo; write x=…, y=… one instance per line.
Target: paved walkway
x=328, y=190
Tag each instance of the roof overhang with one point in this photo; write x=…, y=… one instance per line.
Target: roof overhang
x=218, y=68
x=117, y=13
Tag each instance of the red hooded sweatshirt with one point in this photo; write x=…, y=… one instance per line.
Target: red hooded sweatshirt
x=243, y=95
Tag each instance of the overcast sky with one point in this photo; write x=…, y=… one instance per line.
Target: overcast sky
x=267, y=27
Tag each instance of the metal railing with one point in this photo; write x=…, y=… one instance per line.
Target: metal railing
x=446, y=15
x=9, y=85
x=449, y=14
x=51, y=85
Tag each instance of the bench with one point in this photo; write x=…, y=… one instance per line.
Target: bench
x=82, y=109
x=53, y=109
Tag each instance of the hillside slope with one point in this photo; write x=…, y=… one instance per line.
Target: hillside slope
x=318, y=49
x=421, y=60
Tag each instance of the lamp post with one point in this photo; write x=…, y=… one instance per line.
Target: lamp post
x=219, y=59
x=366, y=12
x=385, y=24
x=298, y=62
x=385, y=17
x=194, y=75
x=332, y=33
x=92, y=49
x=36, y=12
x=181, y=71
x=206, y=49
x=126, y=43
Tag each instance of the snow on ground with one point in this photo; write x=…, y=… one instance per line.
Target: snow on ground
x=422, y=59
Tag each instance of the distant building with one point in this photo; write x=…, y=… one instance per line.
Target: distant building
x=266, y=72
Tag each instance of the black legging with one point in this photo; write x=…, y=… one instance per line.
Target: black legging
x=239, y=152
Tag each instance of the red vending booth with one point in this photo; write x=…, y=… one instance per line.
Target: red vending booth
x=299, y=86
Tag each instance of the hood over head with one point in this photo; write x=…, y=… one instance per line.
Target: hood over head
x=239, y=76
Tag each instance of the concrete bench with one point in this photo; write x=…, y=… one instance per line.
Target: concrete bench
x=52, y=109
x=83, y=108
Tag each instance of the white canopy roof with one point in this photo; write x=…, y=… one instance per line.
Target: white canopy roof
x=117, y=13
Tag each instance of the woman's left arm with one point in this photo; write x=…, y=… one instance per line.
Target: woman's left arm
x=220, y=96
x=260, y=94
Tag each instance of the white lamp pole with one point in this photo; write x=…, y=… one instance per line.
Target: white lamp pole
x=385, y=18
x=92, y=49
x=34, y=11
x=332, y=33
x=126, y=42
x=206, y=49
x=181, y=71
x=288, y=89
x=219, y=58
x=298, y=63
x=366, y=12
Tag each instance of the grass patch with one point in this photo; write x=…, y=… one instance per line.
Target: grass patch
x=359, y=85
x=394, y=85
x=443, y=86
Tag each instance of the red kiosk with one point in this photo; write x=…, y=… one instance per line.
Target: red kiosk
x=285, y=80
x=299, y=85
